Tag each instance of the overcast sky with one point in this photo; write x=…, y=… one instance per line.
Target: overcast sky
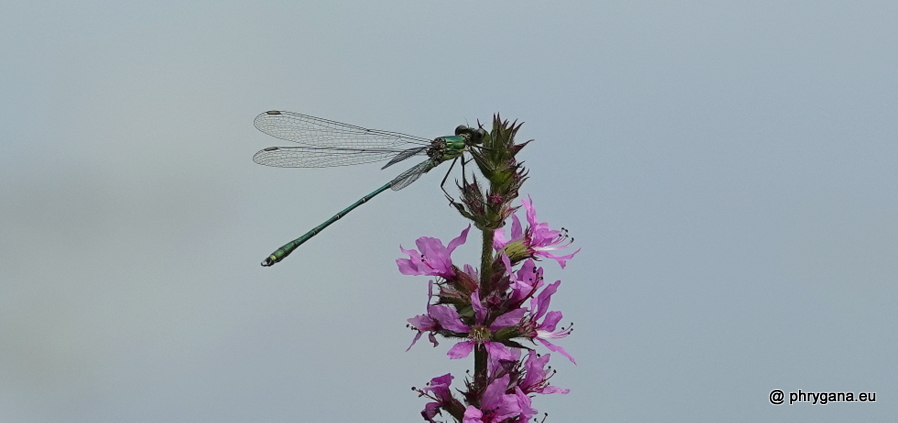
x=728, y=169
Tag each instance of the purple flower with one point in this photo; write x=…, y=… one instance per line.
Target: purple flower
x=497, y=367
x=478, y=334
x=524, y=405
x=495, y=405
x=438, y=317
x=434, y=258
x=536, y=378
x=471, y=272
x=537, y=241
x=473, y=415
x=438, y=389
x=546, y=330
x=526, y=282
x=423, y=322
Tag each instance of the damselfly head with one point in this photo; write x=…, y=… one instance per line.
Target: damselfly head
x=475, y=136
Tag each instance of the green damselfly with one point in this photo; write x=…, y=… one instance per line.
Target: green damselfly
x=326, y=143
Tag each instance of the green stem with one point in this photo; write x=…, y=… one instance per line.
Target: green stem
x=480, y=357
x=486, y=277
x=486, y=263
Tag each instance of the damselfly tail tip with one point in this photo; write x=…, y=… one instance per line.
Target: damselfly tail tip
x=268, y=262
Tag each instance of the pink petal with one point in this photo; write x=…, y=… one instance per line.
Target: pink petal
x=554, y=390
x=557, y=349
x=430, y=411
x=422, y=322
x=551, y=320
x=417, y=337
x=499, y=240
x=461, y=350
x=541, y=302
x=459, y=240
x=472, y=415
x=508, y=319
x=479, y=309
x=501, y=352
x=531, y=211
x=562, y=260
x=494, y=392
x=448, y=318
x=524, y=404
x=516, y=231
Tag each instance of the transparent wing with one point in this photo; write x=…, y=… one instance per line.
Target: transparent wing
x=406, y=154
x=320, y=157
x=406, y=178
x=317, y=132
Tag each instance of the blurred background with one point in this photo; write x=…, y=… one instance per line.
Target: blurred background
x=728, y=169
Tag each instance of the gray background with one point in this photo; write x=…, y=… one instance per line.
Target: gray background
x=729, y=169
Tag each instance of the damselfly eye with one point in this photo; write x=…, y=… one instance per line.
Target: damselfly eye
x=478, y=135
x=462, y=129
